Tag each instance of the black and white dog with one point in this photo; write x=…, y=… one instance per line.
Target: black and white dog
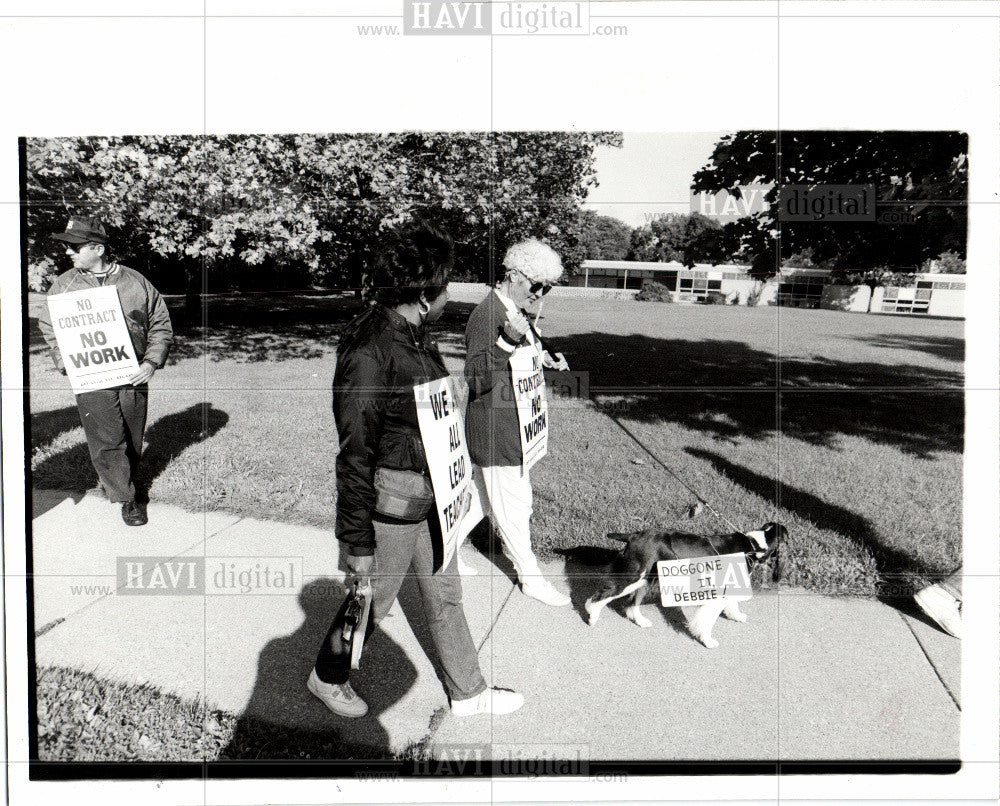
x=631, y=570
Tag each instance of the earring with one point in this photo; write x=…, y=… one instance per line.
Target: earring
x=422, y=309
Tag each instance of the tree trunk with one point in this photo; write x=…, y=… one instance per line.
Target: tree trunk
x=192, y=297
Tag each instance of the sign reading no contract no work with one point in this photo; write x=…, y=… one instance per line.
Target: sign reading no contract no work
x=93, y=338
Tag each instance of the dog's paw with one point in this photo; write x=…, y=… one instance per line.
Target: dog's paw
x=593, y=613
x=735, y=615
x=708, y=641
x=637, y=618
x=740, y=617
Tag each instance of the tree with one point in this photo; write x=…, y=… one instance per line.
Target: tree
x=946, y=263
x=685, y=238
x=919, y=177
x=604, y=237
x=276, y=210
x=873, y=278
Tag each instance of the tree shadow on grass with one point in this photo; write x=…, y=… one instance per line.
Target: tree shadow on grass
x=46, y=426
x=283, y=720
x=729, y=390
x=284, y=327
x=896, y=568
x=264, y=328
x=167, y=438
x=946, y=347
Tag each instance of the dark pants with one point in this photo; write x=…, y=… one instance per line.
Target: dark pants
x=114, y=421
x=400, y=548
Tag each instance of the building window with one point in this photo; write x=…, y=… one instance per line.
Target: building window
x=801, y=292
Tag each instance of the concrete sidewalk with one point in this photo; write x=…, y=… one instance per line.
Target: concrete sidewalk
x=807, y=677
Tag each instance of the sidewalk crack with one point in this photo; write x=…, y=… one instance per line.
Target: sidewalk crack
x=933, y=666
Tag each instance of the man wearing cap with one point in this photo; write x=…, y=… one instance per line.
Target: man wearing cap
x=114, y=419
x=496, y=328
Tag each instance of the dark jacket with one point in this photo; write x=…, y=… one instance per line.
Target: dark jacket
x=491, y=425
x=146, y=314
x=380, y=358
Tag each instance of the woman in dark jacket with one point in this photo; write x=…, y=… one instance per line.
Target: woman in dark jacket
x=381, y=356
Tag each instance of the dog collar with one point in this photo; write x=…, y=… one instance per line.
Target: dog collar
x=751, y=554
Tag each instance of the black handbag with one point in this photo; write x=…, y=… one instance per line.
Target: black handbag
x=402, y=494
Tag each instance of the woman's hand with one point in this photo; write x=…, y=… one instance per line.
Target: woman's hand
x=515, y=327
x=360, y=566
x=466, y=504
x=551, y=363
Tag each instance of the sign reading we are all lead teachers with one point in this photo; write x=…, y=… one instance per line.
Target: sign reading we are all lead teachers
x=93, y=338
x=442, y=429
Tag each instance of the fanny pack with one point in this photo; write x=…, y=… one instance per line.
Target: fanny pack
x=402, y=494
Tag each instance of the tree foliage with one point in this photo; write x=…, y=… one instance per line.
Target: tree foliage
x=919, y=177
x=282, y=210
x=685, y=238
x=604, y=237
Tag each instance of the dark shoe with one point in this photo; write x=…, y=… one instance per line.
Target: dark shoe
x=134, y=514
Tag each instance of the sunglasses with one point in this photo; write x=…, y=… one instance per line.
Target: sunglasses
x=77, y=247
x=536, y=289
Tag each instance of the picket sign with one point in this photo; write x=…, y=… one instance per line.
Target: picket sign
x=528, y=381
x=442, y=429
x=703, y=579
x=93, y=338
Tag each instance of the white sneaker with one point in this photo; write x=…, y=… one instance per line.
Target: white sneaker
x=338, y=697
x=941, y=606
x=466, y=570
x=543, y=591
x=490, y=701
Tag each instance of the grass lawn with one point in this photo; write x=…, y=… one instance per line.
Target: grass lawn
x=82, y=717
x=846, y=427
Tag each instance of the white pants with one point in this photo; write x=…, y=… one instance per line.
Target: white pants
x=506, y=497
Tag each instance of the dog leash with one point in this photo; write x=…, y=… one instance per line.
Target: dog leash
x=680, y=481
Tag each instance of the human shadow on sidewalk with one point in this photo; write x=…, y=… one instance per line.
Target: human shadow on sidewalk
x=168, y=437
x=897, y=569
x=283, y=720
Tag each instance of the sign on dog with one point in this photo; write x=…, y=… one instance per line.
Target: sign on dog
x=703, y=579
x=442, y=428
x=528, y=380
x=93, y=338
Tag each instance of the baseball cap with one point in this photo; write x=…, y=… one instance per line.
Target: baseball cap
x=83, y=230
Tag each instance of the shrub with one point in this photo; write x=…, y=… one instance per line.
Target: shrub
x=653, y=291
x=715, y=298
x=949, y=262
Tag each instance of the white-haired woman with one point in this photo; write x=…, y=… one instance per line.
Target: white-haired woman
x=500, y=335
